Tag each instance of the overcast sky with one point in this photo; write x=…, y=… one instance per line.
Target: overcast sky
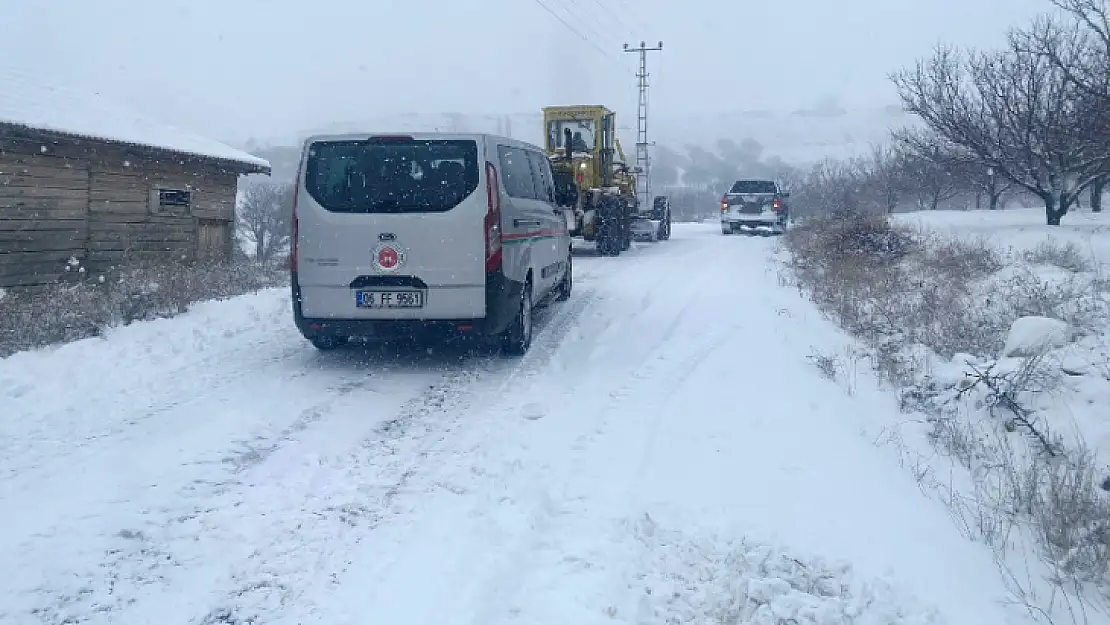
x=240, y=68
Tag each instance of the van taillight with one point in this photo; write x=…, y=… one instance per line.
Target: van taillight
x=296, y=223
x=293, y=243
x=493, y=220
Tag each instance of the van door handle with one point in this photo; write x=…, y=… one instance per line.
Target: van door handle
x=520, y=223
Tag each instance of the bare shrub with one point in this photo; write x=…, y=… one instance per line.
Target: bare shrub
x=45, y=315
x=1080, y=301
x=828, y=365
x=1070, y=513
x=962, y=260
x=1067, y=257
x=892, y=287
x=851, y=237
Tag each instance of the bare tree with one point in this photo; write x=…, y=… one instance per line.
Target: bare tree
x=887, y=177
x=264, y=217
x=1013, y=111
x=932, y=164
x=836, y=188
x=1081, y=50
x=1097, y=189
x=985, y=182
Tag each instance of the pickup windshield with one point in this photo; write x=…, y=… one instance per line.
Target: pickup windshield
x=753, y=186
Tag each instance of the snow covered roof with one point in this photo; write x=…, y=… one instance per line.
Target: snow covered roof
x=26, y=101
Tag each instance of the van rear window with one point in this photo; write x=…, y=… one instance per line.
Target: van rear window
x=391, y=175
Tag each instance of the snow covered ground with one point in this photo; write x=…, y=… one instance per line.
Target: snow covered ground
x=1069, y=263
x=1021, y=229
x=1022, y=432
x=666, y=453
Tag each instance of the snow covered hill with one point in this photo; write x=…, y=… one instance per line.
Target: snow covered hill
x=667, y=453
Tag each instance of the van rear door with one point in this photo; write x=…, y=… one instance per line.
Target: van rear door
x=411, y=207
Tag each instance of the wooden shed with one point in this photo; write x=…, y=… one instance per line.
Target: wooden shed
x=87, y=180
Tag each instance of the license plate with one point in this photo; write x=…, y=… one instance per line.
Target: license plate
x=389, y=299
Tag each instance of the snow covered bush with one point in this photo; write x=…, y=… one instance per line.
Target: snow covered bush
x=894, y=287
x=1004, y=352
x=75, y=309
x=691, y=576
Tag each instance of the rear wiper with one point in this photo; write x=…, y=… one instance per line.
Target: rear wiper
x=384, y=206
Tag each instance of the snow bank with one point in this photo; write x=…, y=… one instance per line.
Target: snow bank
x=1032, y=335
x=692, y=578
x=30, y=101
x=54, y=401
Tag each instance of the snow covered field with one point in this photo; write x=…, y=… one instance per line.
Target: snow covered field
x=1021, y=229
x=666, y=453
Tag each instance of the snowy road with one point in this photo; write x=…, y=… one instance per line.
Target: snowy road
x=666, y=450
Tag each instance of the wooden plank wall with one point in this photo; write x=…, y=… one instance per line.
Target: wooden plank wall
x=43, y=217
x=93, y=203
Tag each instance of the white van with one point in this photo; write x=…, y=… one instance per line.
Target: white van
x=425, y=234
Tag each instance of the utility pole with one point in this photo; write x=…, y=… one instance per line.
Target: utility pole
x=643, y=160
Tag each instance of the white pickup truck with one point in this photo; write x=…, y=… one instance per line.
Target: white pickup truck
x=755, y=205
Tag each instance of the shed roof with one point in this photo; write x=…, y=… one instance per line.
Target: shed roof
x=31, y=102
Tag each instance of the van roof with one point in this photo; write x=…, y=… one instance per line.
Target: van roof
x=477, y=136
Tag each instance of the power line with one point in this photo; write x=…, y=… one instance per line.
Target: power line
x=594, y=16
x=574, y=30
x=613, y=14
x=586, y=23
x=632, y=12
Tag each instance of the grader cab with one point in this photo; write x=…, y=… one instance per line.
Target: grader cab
x=596, y=187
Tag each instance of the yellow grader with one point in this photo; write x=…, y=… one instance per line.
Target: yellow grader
x=594, y=183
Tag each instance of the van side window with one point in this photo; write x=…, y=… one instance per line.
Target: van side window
x=541, y=172
x=517, y=173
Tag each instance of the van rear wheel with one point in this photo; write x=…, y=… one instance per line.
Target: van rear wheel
x=518, y=338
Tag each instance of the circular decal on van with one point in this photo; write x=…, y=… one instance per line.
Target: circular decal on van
x=388, y=258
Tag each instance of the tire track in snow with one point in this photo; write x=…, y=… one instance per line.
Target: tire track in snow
x=541, y=556
x=155, y=559
x=388, y=474
x=367, y=483
x=511, y=510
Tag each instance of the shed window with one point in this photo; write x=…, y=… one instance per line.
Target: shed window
x=171, y=200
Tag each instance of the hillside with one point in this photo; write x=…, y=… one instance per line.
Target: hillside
x=798, y=137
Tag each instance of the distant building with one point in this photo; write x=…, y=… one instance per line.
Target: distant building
x=84, y=178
